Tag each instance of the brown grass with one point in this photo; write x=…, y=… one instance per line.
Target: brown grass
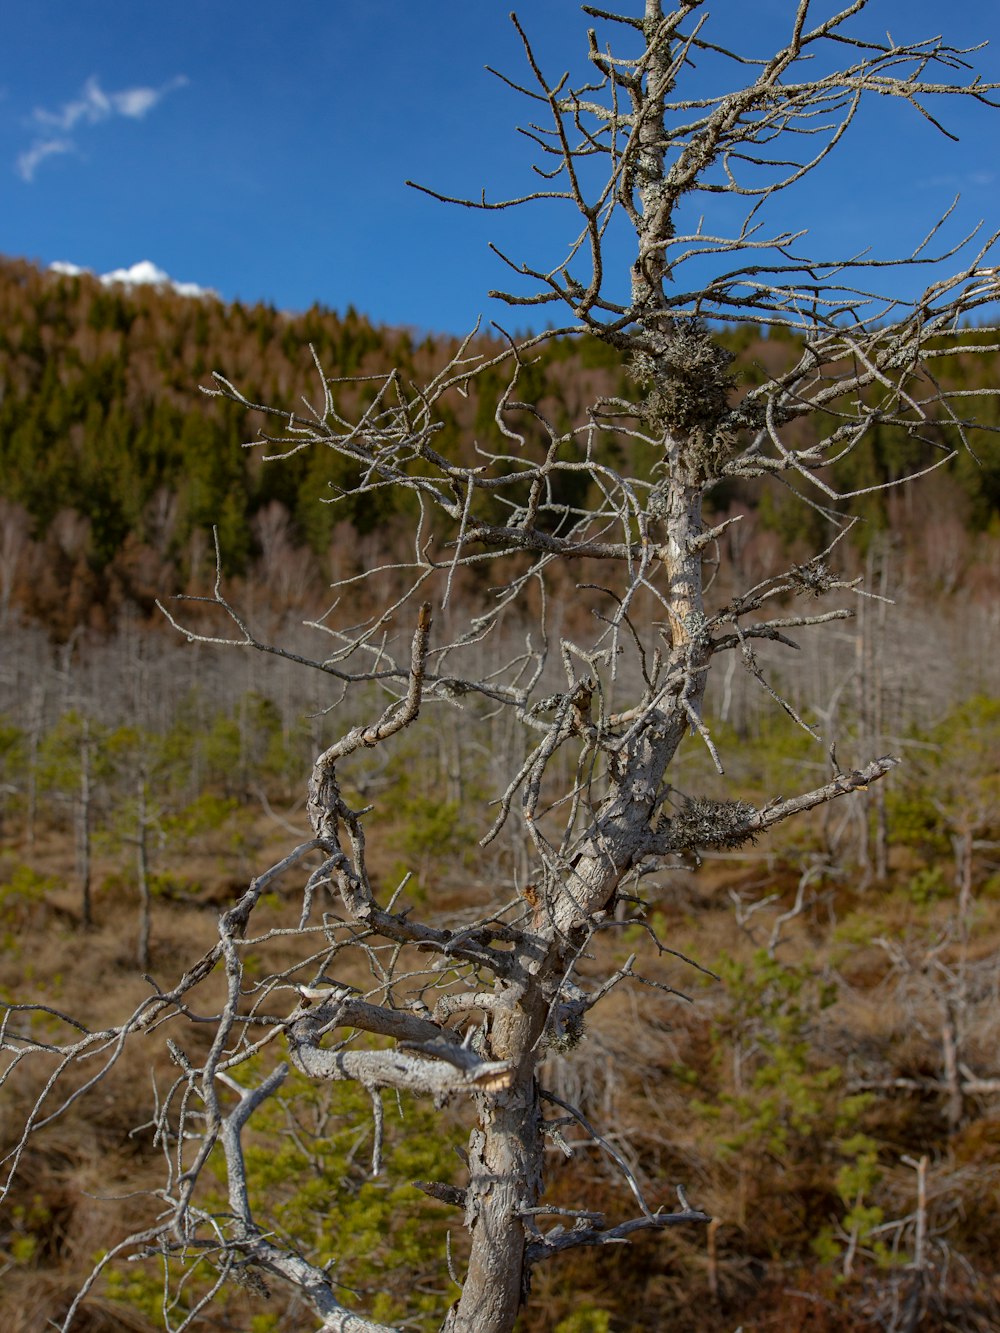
x=88, y=1179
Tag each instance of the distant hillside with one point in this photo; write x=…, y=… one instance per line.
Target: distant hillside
x=113, y=466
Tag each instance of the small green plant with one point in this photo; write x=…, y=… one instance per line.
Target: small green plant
x=588, y=1319
x=308, y=1153
x=30, y=1226
x=776, y=1104
x=310, y=1156
x=21, y=889
x=928, y=885
x=435, y=839
x=858, y=1230
x=207, y=814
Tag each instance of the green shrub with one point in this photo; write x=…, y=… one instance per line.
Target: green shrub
x=308, y=1155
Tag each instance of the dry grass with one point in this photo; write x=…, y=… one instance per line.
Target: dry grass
x=647, y=1060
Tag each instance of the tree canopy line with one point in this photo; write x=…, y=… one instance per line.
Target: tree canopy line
x=116, y=470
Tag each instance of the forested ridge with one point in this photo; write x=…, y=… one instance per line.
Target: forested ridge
x=823, y=1080
x=115, y=467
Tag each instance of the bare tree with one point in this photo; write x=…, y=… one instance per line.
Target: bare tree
x=471, y=1003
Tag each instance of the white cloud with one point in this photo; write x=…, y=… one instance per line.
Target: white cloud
x=29, y=161
x=135, y=102
x=144, y=273
x=66, y=269
x=93, y=106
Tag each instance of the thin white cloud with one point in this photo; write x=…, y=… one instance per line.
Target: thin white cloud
x=30, y=160
x=955, y=181
x=93, y=106
x=135, y=102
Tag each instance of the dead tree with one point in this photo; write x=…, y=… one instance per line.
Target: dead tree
x=470, y=1006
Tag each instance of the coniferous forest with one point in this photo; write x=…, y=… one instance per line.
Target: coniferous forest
x=820, y=1063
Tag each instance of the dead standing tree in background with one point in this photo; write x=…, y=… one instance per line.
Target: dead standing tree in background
x=473, y=1005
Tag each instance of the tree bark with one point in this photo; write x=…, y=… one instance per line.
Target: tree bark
x=505, y=1177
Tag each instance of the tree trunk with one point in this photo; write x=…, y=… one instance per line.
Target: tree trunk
x=83, y=826
x=142, y=875
x=955, y=1108
x=505, y=1177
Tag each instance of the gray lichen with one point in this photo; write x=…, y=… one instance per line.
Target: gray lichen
x=566, y=1033
x=687, y=383
x=701, y=823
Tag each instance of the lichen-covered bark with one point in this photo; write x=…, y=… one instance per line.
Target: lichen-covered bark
x=505, y=1176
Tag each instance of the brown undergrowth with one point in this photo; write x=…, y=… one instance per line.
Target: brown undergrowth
x=793, y=1095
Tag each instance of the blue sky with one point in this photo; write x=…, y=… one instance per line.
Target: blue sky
x=260, y=149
